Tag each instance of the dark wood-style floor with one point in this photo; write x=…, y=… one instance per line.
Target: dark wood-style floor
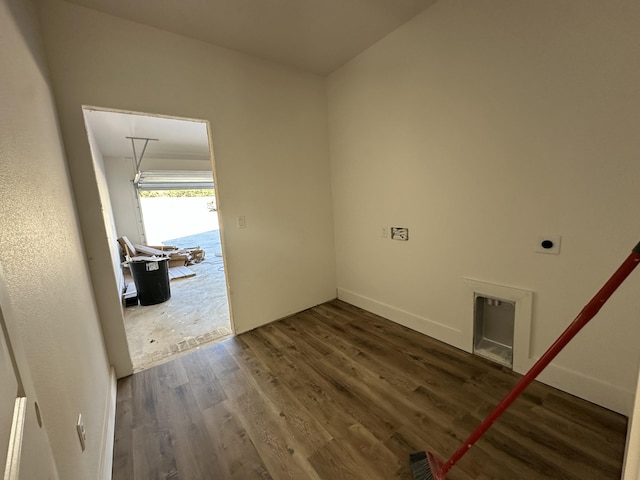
x=335, y=392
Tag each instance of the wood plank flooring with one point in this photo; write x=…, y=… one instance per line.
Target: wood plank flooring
x=335, y=392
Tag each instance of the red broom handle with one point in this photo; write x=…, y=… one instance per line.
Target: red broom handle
x=587, y=313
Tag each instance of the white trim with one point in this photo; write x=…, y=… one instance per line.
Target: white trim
x=14, y=452
x=631, y=466
x=410, y=320
x=109, y=428
x=589, y=388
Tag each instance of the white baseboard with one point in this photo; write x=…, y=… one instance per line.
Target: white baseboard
x=589, y=388
x=576, y=383
x=439, y=331
x=109, y=428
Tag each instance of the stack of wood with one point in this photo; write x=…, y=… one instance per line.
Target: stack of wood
x=179, y=258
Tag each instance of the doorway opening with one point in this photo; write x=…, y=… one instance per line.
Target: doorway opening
x=161, y=190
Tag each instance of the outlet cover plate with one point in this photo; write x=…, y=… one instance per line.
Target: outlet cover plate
x=549, y=244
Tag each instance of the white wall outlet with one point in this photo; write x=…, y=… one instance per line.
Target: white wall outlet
x=242, y=223
x=400, y=233
x=384, y=232
x=548, y=244
x=82, y=435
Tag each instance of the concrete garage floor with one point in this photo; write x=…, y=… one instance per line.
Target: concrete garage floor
x=196, y=314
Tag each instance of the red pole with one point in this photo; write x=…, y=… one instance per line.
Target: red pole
x=587, y=313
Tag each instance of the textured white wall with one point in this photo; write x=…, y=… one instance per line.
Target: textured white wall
x=270, y=144
x=480, y=125
x=46, y=285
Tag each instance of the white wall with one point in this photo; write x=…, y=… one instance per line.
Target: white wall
x=107, y=210
x=120, y=173
x=45, y=292
x=269, y=135
x=480, y=125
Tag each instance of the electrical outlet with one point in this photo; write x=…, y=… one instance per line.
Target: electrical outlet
x=400, y=233
x=384, y=232
x=548, y=244
x=82, y=435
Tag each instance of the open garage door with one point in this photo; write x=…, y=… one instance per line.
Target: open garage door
x=174, y=180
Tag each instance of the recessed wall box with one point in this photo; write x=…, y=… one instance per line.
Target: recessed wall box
x=494, y=320
x=400, y=233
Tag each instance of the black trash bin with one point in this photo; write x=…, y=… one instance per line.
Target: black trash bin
x=152, y=280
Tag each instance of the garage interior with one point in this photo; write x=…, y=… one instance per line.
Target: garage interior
x=144, y=157
x=387, y=176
